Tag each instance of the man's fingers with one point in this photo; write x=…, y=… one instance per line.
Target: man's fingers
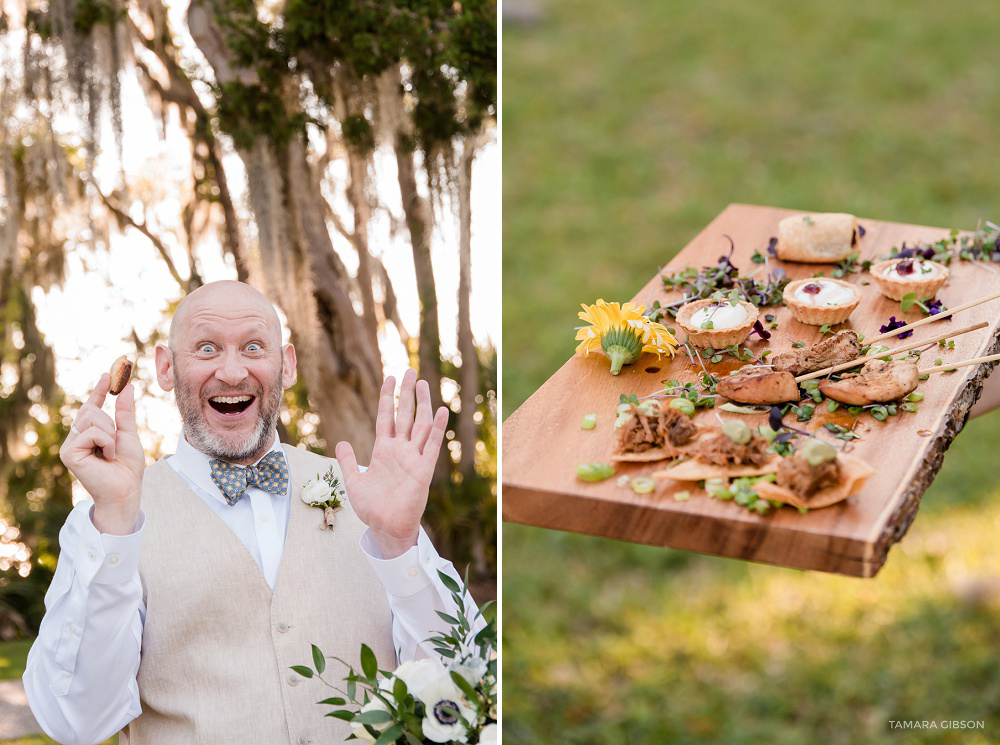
x=91, y=416
x=404, y=414
x=423, y=421
x=101, y=391
x=384, y=426
x=125, y=410
x=94, y=437
x=345, y=456
x=433, y=445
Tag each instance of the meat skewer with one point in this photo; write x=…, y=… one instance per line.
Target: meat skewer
x=906, y=348
x=935, y=317
x=956, y=365
x=878, y=382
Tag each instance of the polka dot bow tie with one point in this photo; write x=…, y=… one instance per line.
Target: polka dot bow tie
x=270, y=474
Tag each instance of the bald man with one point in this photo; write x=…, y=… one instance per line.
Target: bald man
x=185, y=590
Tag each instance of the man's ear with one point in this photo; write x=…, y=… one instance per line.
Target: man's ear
x=287, y=366
x=164, y=367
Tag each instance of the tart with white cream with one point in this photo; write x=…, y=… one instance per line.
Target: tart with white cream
x=897, y=277
x=717, y=324
x=820, y=301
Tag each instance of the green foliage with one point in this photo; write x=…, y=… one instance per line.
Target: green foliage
x=246, y=112
x=91, y=13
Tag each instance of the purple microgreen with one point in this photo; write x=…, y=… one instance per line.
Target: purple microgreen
x=861, y=230
x=758, y=328
x=773, y=243
x=774, y=418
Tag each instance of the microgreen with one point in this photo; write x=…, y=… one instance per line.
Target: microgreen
x=894, y=324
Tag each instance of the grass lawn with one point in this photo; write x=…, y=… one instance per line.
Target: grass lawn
x=13, y=657
x=627, y=127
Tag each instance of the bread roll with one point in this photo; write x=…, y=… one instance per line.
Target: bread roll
x=817, y=239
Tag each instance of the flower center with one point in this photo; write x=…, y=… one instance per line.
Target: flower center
x=446, y=712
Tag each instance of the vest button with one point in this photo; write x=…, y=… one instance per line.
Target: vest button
x=293, y=680
x=303, y=741
x=282, y=627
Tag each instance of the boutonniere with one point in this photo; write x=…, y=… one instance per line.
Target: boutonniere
x=324, y=492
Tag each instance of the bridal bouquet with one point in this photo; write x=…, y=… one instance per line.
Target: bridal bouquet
x=451, y=699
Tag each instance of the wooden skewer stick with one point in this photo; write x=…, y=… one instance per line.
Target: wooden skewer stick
x=906, y=348
x=956, y=365
x=935, y=317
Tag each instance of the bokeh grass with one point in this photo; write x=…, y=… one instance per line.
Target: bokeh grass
x=627, y=127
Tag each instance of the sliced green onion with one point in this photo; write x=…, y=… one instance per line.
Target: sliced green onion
x=642, y=485
x=832, y=405
x=594, y=471
x=682, y=496
x=589, y=421
x=718, y=488
x=683, y=405
x=908, y=407
x=916, y=396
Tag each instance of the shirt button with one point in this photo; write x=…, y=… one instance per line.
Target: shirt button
x=412, y=573
x=293, y=680
x=263, y=518
x=92, y=556
x=282, y=627
x=73, y=628
x=113, y=559
x=303, y=741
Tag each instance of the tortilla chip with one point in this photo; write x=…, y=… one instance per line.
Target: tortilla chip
x=854, y=473
x=666, y=452
x=696, y=470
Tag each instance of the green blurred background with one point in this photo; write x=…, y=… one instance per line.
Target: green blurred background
x=626, y=128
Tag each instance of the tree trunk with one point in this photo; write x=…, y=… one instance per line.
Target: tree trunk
x=466, y=429
x=418, y=222
x=299, y=267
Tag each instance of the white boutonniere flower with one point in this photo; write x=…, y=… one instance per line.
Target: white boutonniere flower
x=324, y=492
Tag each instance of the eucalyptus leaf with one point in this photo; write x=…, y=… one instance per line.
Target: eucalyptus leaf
x=375, y=716
x=390, y=735
x=368, y=662
x=302, y=670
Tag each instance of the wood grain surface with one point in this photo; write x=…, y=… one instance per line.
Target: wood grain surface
x=542, y=441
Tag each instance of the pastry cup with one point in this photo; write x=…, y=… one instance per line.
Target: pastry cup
x=715, y=338
x=818, y=315
x=923, y=285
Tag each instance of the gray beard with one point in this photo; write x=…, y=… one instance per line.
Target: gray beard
x=214, y=445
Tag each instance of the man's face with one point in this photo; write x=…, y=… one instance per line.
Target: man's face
x=228, y=369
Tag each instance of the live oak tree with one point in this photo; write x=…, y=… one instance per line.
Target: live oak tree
x=292, y=89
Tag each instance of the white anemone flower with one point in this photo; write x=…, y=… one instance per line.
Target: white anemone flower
x=446, y=713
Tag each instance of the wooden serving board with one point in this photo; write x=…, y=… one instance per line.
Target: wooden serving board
x=543, y=442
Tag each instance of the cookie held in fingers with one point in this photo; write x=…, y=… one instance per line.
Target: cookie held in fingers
x=121, y=374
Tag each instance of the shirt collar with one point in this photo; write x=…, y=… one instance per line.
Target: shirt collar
x=197, y=466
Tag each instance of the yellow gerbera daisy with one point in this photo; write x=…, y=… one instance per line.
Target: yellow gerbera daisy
x=622, y=333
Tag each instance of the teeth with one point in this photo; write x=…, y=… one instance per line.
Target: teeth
x=230, y=399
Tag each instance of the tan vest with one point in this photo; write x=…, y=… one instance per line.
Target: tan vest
x=217, y=642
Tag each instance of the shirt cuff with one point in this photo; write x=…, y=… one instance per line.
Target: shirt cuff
x=107, y=559
x=408, y=573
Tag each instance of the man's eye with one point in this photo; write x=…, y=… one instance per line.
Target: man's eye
x=206, y=348
x=254, y=347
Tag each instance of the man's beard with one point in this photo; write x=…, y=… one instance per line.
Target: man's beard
x=223, y=446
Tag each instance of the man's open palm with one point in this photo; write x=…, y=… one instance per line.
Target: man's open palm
x=391, y=494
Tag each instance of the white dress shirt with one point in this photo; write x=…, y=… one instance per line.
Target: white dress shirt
x=95, y=603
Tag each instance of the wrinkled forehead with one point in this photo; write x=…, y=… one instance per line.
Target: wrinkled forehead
x=224, y=311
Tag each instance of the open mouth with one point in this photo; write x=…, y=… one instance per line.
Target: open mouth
x=230, y=404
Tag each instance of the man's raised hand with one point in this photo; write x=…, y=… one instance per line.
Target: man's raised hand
x=390, y=496
x=106, y=456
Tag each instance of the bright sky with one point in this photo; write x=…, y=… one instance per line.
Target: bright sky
x=108, y=293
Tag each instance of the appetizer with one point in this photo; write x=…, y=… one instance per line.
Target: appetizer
x=121, y=374
x=821, y=301
x=732, y=452
x=717, y=324
x=653, y=432
x=758, y=384
x=817, y=238
x=843, y=346
x=879, y=381
x=897, y=277
x=815, y=476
